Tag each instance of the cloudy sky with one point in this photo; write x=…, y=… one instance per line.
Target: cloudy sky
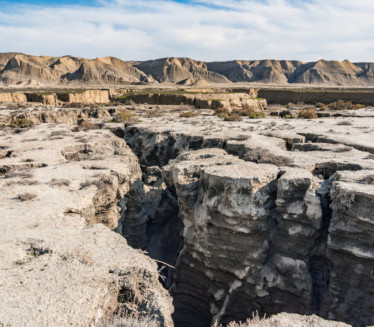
x=210, y=30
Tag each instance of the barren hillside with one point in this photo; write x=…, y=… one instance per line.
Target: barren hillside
x=24, y=70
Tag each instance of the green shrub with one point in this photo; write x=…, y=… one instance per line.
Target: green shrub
x=21, y=123
x=123, y=116
x=257, y=115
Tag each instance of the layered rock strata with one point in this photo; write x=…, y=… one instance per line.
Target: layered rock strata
x=229, y=101
x=285, y=228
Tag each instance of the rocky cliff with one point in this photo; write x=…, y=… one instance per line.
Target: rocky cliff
x=61, y=262
x=267, y=214
x=271, y=220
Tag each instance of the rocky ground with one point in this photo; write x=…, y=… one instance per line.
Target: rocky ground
x=60, y=263
x=268, y=214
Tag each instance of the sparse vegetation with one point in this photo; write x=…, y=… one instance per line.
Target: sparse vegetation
x=60, y=182
x=86, y=125
x=368, y=179
x=189, y=114
x=257, y=115
x=26, y=197
x=256, y=321
x=344, y=105
x=319, y=105
x=307, y=114
x=232, y=117
x=21, y=123
x=130, y=321
x=153, y=113
x=20, y=173
x=123, y=116
x=344, y=123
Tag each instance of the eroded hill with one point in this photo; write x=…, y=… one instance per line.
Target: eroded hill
x=24, y=70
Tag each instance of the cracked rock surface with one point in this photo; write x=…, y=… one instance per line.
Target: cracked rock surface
x=276, y=214
x=61, y=263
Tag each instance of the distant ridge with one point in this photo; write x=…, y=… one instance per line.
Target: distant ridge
x=17, y=69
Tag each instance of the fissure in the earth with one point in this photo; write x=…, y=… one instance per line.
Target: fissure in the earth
x=239, y=244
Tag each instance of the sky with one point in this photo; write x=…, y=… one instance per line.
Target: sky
x=209, y=30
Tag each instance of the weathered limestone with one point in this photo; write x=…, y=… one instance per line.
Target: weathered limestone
x=256, y=231
x=89, y=96
x=350, y=246
x=229, y=101
x=47, y=99
x=60, y=266
x=12, y=97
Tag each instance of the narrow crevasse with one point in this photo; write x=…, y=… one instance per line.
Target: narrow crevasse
x=246, y=236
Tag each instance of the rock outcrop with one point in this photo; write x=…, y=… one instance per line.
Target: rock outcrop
x=61, y=262
x=216, y=100
x=13, y=97
x=267, y=214
x=272, y=227
x=89, y=96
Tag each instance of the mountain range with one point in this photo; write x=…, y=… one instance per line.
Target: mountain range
x=17, y=69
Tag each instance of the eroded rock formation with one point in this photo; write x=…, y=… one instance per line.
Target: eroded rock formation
x=63, y=193
x=285, y=228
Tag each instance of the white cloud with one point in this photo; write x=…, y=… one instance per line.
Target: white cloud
x=205, y=30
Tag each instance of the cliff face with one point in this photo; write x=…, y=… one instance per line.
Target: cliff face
x=24, y=70
x=61, y=263
x=278, y=225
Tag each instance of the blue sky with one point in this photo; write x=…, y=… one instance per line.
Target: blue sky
x=210, y=30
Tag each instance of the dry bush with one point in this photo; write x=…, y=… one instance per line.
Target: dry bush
x=154, y=113
x=189, y=114
x=320, y=105
x=86, y=125
x=370, y=156
x=123, y=116
x=58, y=133
x=21, y=173
x=232, y=117
x=257, y=321
x=344, y=123
x=26, y=197
x=368, y=179
x=257, y=115
x=59, y=182
x=99, y=183
x=250, y=112
x=357, y=106
x=345, y=105
x=130, y=321
x=21, y=123
x=221, y=112
x=22, y=182
x=307, y=114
